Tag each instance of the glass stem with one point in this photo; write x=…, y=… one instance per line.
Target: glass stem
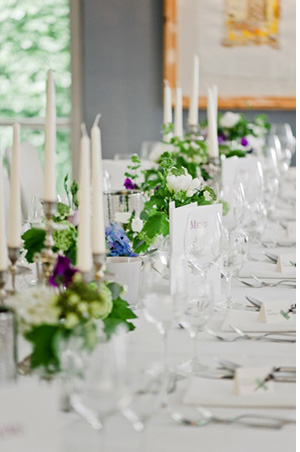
x=194, y=337
x=143, y=438
x=102, y=438
x=228, y=297
x=165, y=349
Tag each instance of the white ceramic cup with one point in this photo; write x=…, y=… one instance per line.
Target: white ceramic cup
x=126, y=271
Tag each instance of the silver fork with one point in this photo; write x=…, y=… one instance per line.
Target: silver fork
x=261, y=337
x=270, y=423
x=270, y=244
x=284, y=282
x=262, y=284
x=222, y=338
x=264, y=336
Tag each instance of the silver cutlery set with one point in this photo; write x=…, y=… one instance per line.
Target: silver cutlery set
x=226, y=370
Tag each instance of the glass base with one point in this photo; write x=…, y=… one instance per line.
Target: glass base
x=191, y=367
x=229, y=304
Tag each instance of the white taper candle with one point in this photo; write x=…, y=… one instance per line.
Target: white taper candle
x=178, y=127
x=194, y=98
x=213, y=147
x=98, y=228
x=3, y=243
x=167, y=103
x=14, y=218
x=49, y=193
x=84, y=248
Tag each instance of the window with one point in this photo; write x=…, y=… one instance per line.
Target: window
x=35, y=36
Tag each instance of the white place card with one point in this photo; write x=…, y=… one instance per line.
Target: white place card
x=178, y=224
x=29, y=418
x=274, y=311
x=233, y=165
x=286, y=264
x=291, y=230
x=251, y=381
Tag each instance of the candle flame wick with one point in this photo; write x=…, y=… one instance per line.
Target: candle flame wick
x=97, y=119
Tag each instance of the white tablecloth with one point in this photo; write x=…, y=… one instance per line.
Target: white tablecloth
x=163, y=433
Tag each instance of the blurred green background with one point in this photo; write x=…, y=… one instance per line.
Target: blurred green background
x=34, y=37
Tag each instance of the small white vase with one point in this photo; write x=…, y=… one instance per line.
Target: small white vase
x=126, y=271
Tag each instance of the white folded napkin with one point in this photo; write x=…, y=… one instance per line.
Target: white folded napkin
x=249, y=321
x=265, y=270
x=211, y=392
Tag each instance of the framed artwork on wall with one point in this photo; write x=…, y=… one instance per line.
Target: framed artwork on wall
x=246, y=47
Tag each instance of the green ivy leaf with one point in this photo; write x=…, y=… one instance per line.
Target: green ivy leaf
x=33, y=242
x=156, y=225
x=45, y=339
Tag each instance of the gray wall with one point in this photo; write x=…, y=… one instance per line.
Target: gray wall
x=122, y=59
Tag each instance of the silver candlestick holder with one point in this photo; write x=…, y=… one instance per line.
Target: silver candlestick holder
x=47, y=257
x=13, y=254
x=99, y=261
x=3, y=280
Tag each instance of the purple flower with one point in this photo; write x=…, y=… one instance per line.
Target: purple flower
x=244, y=141
x=222, y=138
x=156, y=188
x=62, y=273
x=129, y=185
x=118, y=242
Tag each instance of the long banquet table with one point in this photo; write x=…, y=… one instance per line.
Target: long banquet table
x=163, y=433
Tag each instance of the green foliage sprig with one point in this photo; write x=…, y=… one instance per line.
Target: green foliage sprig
x=65, y=235
x=155, y=215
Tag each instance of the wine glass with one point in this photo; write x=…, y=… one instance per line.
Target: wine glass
x=287, y=145
x=144, y=385
x=202, y=241
x=255, y=220
x=234, y=204
x=163, y=295
x=200, y=307
x=234, y=253
x=96, y=391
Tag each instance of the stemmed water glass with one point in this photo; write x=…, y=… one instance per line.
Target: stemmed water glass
x=234, y=253
x=96, y=390
x=199, y=309
x=234, y=204
x=144, y=385
x=255, y=215
x=163, y=295
x=202, y=241
x=287, y=143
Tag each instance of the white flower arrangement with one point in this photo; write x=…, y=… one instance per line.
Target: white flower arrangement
x=229, y=119
x=35, y=306
x=183, y=182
